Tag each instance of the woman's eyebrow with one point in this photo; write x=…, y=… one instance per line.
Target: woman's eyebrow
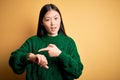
x=53, y=16
x=56, y=15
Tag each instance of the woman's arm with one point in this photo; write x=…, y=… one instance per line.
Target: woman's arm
x=71, y=62
x=18, y=59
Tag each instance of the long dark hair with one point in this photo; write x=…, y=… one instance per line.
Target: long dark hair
x=41, y=29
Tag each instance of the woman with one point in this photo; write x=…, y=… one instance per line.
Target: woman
x=49, y=55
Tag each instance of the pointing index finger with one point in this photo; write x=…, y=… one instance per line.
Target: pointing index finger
x=43, y=49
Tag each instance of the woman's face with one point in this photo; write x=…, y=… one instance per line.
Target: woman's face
x=51, y=22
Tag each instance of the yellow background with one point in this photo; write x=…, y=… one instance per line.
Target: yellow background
x=93, y=24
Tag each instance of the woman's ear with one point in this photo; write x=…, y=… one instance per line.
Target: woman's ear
x=41, y=23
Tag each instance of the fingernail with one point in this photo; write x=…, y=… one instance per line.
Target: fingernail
x=47, y=67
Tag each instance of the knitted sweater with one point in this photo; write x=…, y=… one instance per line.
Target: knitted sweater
x=67, y=66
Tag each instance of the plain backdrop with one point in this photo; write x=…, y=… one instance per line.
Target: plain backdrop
x=93, y=24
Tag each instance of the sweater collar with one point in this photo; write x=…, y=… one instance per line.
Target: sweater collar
x=53, y=39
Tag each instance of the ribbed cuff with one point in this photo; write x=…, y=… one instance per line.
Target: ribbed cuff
x=63, y=57
x=24, y=59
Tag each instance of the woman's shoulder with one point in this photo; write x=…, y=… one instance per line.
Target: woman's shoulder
x=34, y=37
x=69, y=38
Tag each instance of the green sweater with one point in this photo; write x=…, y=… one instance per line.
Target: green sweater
x=67, y=66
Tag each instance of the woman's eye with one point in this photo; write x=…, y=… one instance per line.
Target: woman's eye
x=46, y=19
x=56, y=18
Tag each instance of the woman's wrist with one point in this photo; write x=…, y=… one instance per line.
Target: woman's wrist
x=59, y=52
x=30, y=55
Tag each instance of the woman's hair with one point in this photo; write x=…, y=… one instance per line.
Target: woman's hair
x=41, y=29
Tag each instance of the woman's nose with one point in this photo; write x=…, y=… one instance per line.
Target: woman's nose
x=52, y=22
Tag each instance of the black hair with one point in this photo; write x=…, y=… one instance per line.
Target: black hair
x=41, y=31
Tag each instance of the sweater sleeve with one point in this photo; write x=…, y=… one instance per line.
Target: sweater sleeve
x=18, y=59
x=71, y=62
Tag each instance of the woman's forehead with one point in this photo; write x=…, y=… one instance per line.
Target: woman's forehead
x=52, y=13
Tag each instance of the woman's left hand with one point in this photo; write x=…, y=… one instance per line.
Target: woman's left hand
x=52, y=49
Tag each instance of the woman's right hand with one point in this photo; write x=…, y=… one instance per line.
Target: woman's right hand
x=39, y=59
